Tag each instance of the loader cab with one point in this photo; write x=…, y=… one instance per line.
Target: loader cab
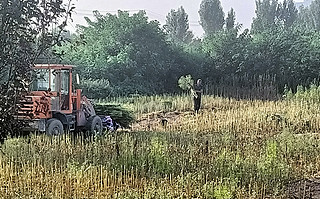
x=54, y=81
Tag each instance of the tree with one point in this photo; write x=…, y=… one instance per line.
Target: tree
x=287, y=13
x=228, y=52
x=314, y=15
x=266, y=14
x=304, y=18
x=309, y=17
x=211, y=16
x=177, y=26
x=289, y=53
x=270, y=13
x=27, y=29
x=231, y=20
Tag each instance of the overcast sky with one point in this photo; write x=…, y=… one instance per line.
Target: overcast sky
x=158, y=9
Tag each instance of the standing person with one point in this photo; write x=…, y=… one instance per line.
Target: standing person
x=197, y=92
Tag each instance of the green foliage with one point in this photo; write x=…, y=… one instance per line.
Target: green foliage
x=229, y=53
x=177, y=26
x=95, y=87
x=272, y=167
x=127, y=54
x=231, y=20
x=118, y=113
x=159, y=157
x=310, y=94
x=309, y=16
x=17, y=147
x=79, y=169
x=211, y=16
x=147, y=155
x=233, y=165
x=208, y=189
x=287, y=93
x=277, y=47
x=287, y=13
x=271, y=13
x=291, y=145
x=130, y=52
x=185, y=82
x=220, y=190
x=223, y=191
x=266, y=13
x=287, y=53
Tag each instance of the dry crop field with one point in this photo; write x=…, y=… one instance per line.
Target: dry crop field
x=231, y=149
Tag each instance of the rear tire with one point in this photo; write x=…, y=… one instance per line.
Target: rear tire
x=54, y=127
x=94, y=125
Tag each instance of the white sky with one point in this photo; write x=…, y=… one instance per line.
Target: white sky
x=157, y=10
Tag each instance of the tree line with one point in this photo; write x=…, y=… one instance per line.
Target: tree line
x=121, y=54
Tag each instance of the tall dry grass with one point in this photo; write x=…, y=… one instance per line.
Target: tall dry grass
x=231, y=149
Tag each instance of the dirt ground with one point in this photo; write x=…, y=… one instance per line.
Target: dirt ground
x=160, y=119
x=308, y=189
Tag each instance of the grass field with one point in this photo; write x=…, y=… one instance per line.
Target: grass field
x=231, y=149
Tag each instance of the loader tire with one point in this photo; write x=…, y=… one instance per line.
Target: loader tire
x=94, y=125
x=54, y=127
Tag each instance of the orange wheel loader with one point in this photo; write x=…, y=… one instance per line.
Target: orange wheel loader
x=53, y=106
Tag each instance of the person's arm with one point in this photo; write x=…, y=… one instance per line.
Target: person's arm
x=193, y=91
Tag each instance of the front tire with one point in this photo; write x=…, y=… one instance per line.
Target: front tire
x=94, y=125
x=54, y=127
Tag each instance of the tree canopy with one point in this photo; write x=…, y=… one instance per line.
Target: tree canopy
x=177, y=26
x=231, y=20
x=211, y=16
x=129, y=52
x=271, y=13
x=309, y=17
x=122, y=54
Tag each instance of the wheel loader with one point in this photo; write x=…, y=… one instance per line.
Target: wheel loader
x=52, y=104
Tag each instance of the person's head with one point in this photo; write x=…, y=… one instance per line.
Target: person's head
x=199, y=82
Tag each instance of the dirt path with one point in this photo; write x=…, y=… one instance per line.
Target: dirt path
x=159, y=119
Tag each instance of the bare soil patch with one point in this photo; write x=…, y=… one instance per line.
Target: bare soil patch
x=158, y=119
x=307, y=188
